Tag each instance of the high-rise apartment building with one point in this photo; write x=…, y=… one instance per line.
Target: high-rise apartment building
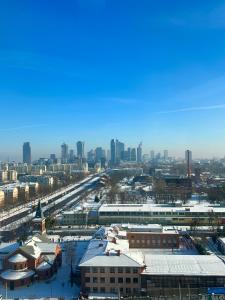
x=64, y=153
x=80, y=149
x=27, y=153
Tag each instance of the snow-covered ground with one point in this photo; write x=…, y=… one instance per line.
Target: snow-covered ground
x=59, y=285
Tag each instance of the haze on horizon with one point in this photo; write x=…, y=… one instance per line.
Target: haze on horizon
x=150, y=71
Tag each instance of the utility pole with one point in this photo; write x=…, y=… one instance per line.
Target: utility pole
x=180, y=296
x=6, y=295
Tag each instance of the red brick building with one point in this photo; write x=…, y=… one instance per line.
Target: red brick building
x=37, y=259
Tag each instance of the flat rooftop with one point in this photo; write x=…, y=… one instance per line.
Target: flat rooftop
x=184, y=265
x=198, y=208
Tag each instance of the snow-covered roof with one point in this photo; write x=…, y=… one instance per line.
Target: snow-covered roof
x=96, y=256
x=17, y=258
x=16, y=275
x=188, y=265
x=47, y=247
x=32, y=249
x=197, y=208
x=43, y=266
x=6, y=248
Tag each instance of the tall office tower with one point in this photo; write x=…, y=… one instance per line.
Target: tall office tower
x=128, y=154
x=53, y=158
x=27, y=153
x=99, y=153
x=64, y=153
x=188, y=158
x=119, y=150
x=108, y=155
x=133, y=156
x=113, y=152
x=165, y=154
x=80, y=149
x=152, y=155
x=139, y=153
x=71, y=155
x=91, y=156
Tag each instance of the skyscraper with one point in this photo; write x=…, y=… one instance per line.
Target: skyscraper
x=139, y=153
x=113, y=152
x=152, y=155
x=64, y=153
x=188, y=158
x=166, y=154
x=119, y=150
x=99, y=153
x=27, y=153
x=80, y=149
x=133, y=156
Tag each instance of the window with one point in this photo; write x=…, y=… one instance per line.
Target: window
x=112, y=280
x=102, y=290
x=94, y=270
x=112, y=270
x=135, y=280
x=112, y=290
x=135, y=270
x=120, y=270
x=127, y=270
x=87, y=279
x=120, y=280
x=128, y=290
x=95, y=289
x=128, y=280
x=95, y=279
x=102, y=270
x=102, y=279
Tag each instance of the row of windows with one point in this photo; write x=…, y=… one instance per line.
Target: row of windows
x=127, y=291
x=154, y=241
x=112, y=270
x=111, y=280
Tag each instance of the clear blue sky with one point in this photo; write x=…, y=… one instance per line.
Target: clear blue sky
x=151, y=71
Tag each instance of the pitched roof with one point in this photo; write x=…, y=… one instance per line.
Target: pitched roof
x=95, y=256
x=39, y=213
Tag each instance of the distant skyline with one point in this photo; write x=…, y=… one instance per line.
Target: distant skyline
x=92, y=70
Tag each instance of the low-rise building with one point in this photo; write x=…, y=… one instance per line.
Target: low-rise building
x=196, y=214
x=111, y=265
x=37, y=259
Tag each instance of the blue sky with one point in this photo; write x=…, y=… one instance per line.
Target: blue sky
x=150, y=71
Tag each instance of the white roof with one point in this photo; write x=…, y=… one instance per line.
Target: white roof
x=44, y=266
x=6, y=248
x=16, y=275
x=17, y=258
x=188, y=265
x=198, y=208
x=95, y=256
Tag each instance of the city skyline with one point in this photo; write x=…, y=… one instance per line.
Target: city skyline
x=91, y=70
x=72, y=149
